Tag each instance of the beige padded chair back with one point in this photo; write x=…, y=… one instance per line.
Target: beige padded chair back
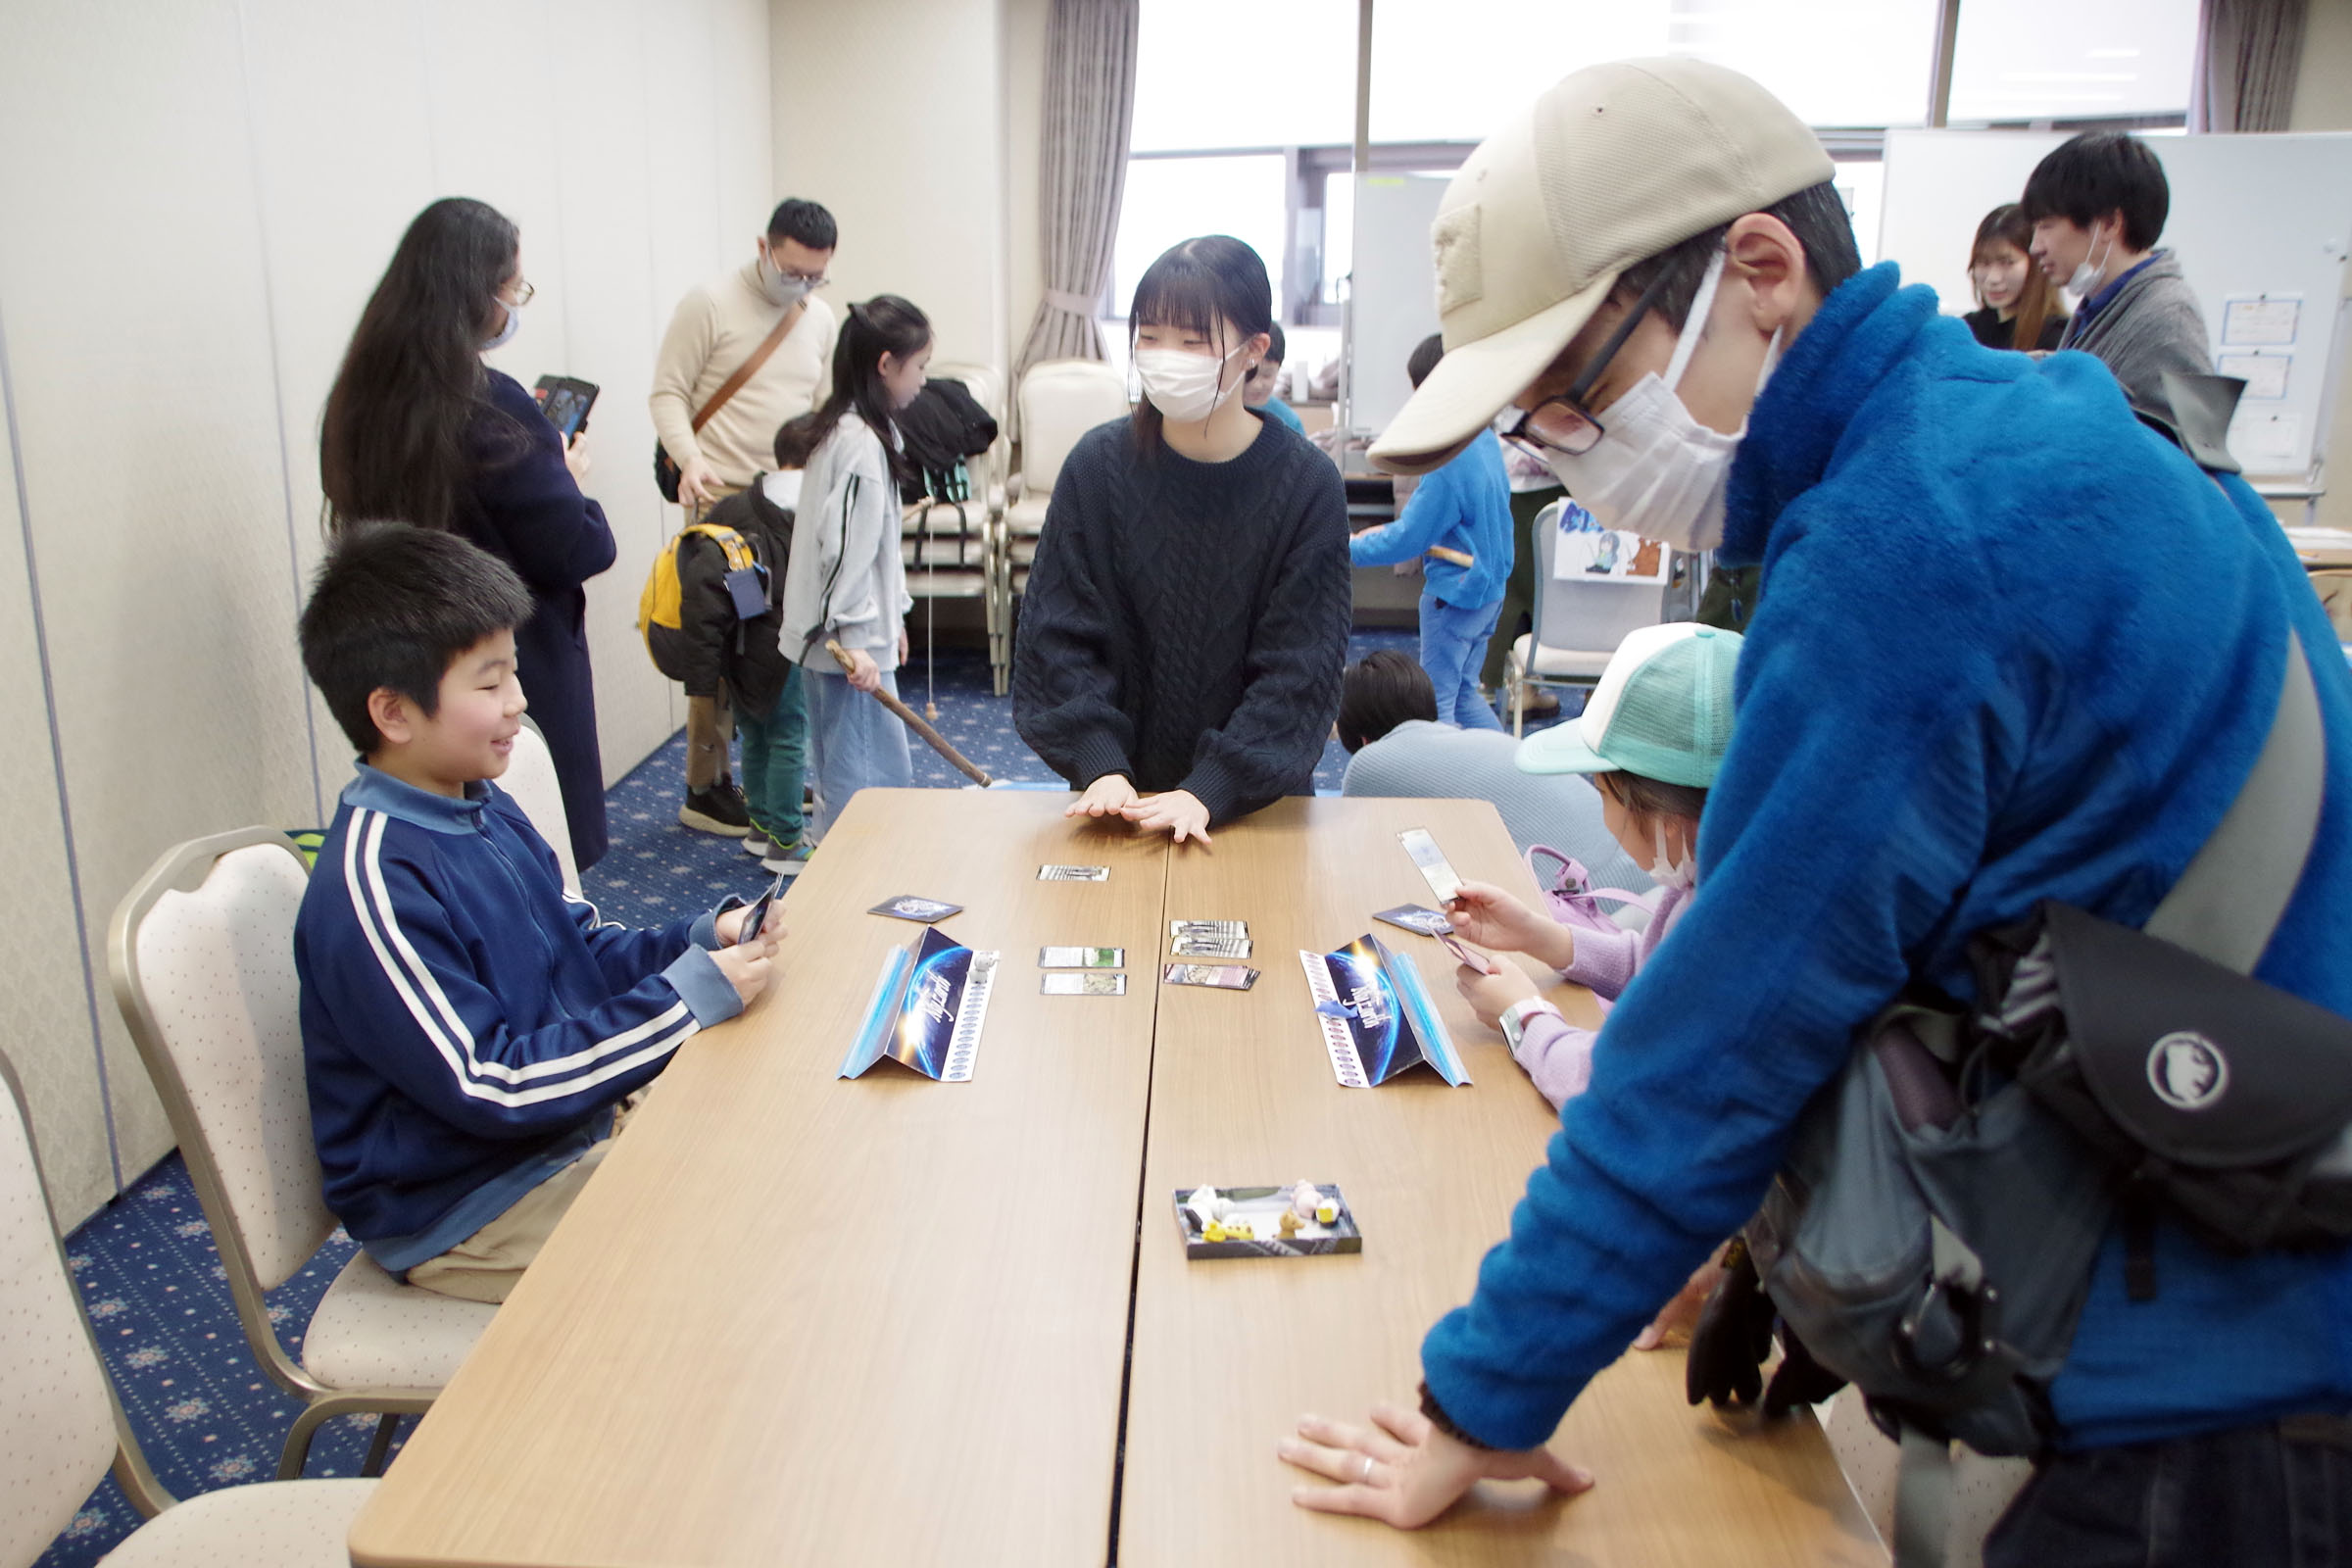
x=203, y=951
x=1061, y=401
x=57, y=1423
x=530, y=777
x=1585, y=617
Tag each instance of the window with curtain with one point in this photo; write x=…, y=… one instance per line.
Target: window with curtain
x=1245, y=109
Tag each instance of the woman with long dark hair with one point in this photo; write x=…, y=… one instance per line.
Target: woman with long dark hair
x=1187, y=618
x=846, y=585
x=419, y=429
x=2016, y=305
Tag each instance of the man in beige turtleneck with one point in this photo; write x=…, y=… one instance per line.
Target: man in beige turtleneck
x=716, y=329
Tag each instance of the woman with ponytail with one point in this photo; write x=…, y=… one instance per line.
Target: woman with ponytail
x=845, y=584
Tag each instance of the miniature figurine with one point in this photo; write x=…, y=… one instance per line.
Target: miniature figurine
x=1304, y=1197
x=1288, y=1224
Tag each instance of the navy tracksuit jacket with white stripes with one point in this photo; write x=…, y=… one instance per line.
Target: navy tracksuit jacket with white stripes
x=464, y=1019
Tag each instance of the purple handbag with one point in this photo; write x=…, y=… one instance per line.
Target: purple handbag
x=1569, y=896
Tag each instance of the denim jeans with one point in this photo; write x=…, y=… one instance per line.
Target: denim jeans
x=854, y=743
x=775, y=760
x=1453, y=639
x=2276, y=1495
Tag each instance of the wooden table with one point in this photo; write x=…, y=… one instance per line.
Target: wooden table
x=1229, y=1353
x=795, y=1320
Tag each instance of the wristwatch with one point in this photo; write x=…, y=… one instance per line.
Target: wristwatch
x=1515, y=1016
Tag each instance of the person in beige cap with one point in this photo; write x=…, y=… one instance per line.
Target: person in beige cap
x=1652, y=266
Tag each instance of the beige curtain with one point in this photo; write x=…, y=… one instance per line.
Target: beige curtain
x=1089, y=104
x=2245, y=72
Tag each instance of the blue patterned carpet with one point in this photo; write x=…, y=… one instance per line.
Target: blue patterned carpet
x=203, y=1411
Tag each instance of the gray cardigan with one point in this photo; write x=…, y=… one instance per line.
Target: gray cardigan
x=2152, y=325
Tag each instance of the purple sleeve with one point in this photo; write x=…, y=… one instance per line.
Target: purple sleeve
x=1604, y=961
x=1558, y=1056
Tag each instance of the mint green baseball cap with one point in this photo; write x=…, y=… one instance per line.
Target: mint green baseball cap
x=1663, y=709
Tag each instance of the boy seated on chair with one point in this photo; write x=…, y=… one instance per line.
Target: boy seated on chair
x=468, y=1025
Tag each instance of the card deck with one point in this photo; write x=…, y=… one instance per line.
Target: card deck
x=1463, y=953
x=1417, y=917
x=1083, y=985
x=1221, y=976
x=1082, y=957
x=1208, y=928
x=757, y=916
x=922, y=912
x=1073, y=873
x=1210, y=947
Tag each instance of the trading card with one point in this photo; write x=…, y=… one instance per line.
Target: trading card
x=757, y=916
x=1073, y=873
x=1432, y=861
x=1208, y=928
x=1418, y=918
x=1222, y=976
x=1210, y=947
x=922, y=912
x=1083, y=985
x=1082, y=957
x=1467, y=953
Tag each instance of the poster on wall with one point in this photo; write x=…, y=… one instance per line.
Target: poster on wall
x=1590, y=553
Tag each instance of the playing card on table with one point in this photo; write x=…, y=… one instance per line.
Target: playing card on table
x=1083, y=985
x=1221, y=976
x=1208, y=928
x=1191, y=947
x=922, y=912
x=1073, y=873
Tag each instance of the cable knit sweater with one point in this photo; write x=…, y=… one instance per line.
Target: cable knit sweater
x=1186, y=622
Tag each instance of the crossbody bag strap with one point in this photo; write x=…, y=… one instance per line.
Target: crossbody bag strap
x=2229, y=901
x=751, y=366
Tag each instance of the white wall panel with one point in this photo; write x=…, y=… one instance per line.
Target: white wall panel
x=149, y=437
x=606, y=189
x=889, y=113
x=343, y=154
x=43, y=992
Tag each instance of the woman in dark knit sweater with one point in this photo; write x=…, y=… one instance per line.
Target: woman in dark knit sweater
x=1187, y=618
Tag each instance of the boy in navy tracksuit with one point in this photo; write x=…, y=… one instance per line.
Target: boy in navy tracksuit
x=1464, y=507
x=468, y=1025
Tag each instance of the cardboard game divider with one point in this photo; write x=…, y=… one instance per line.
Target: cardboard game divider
x=927, y=1009
x=1377, y=1016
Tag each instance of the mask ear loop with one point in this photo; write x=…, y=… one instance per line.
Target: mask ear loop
x=1694, y=325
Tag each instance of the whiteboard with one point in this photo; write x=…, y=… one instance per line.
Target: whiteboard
x=2251, y=217
x=1393, y=293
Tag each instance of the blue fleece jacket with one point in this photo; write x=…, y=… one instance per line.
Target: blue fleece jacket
x=2011, y=646
x=464, y=1018
x=1466, y=506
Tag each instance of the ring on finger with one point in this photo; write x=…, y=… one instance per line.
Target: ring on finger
x=1365, y=1478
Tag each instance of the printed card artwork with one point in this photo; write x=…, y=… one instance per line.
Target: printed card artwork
x=927, y=1010
x=1377, y=1016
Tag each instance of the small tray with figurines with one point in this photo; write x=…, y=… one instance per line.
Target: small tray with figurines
x=1304, y=1219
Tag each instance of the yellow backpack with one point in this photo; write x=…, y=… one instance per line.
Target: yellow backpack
x=659, y=604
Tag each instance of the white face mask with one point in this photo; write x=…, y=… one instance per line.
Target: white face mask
x=1183, y=387
x=1667, y=871
x=2085, y=281
x=506, y=333
x=1657, y=471
x=781, y=291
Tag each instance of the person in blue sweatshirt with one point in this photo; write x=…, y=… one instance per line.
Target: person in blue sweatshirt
x=468, y=1025
x=1653, y=264
x=1463, y=509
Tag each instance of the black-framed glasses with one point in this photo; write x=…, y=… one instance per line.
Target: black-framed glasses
x=1563, y=423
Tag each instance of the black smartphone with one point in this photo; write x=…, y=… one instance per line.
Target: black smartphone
x=565, y=401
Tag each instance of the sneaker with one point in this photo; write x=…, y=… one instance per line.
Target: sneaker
x=756, y=844
x=717, y=809
x=789, y=859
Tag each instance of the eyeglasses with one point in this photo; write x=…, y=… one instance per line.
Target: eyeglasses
x=522, y=293
x=1563, y=423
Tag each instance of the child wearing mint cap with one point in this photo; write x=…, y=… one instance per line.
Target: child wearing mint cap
x=1651, y=740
